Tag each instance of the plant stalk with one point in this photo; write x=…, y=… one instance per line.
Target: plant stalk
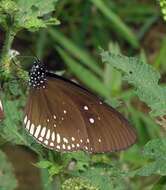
x=5, y=56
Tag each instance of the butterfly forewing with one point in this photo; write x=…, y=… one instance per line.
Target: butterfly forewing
x=65, y=117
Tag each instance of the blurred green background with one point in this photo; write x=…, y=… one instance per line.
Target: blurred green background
x=72, y=48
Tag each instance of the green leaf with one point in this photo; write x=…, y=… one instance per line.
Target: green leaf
x=155, y=150
x=82, y=160
x=7, y=177
x=43, y=164
x=143, y=77
x=31, y=14
x=105, y=177
x=78, y=184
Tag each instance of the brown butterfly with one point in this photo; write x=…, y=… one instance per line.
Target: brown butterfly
x=64, y=116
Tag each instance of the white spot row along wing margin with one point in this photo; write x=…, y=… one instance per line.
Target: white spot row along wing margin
x=40, y=132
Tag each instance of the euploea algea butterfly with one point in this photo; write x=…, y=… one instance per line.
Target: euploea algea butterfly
x=65, y=117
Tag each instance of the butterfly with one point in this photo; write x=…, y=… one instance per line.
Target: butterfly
x=64, y=116
x=1, y=111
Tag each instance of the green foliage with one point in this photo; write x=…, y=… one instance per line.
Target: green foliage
x=117, y=23
x=143, y=77
x=31, y=15
x=105, y=177
x=77, y=184
x=7, y=178
x=86, y=26
x=163, y=8
x=155, y=151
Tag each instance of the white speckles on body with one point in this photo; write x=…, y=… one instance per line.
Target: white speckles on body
x=43, y=131
x=86, y=108
x=48, y=134
x=58, y=138
x=32, y=129
x=37, y=131
x=91, y=120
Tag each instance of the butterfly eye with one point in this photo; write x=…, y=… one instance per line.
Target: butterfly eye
x=64, y=116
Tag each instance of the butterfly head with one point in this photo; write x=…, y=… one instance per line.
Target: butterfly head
x=37, y=75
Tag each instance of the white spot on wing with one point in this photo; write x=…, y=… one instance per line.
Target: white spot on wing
x=51, y=144
x=40, y=139
x=37, y=131
x=1, y=105
x=58, y=138
x=58, y=147
x=25, y=119
x=78, y=145
x=32, y=129
x=69, y=147
x=28, y=125
x=64, y=111
x=54, y=116
x=48, y=134
x=91, y=120
x=53, y=136
x=86, y=108
x=43, y=131
x=72, y=138
x=99, y=140
x=73, y=145
x=64, y=146
x=86, y=147
x=46, y=142
x=65, y=140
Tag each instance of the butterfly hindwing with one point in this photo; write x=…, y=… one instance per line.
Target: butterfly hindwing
x=66, y=117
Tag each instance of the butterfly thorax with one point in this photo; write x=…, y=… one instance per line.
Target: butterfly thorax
x=37, y=76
